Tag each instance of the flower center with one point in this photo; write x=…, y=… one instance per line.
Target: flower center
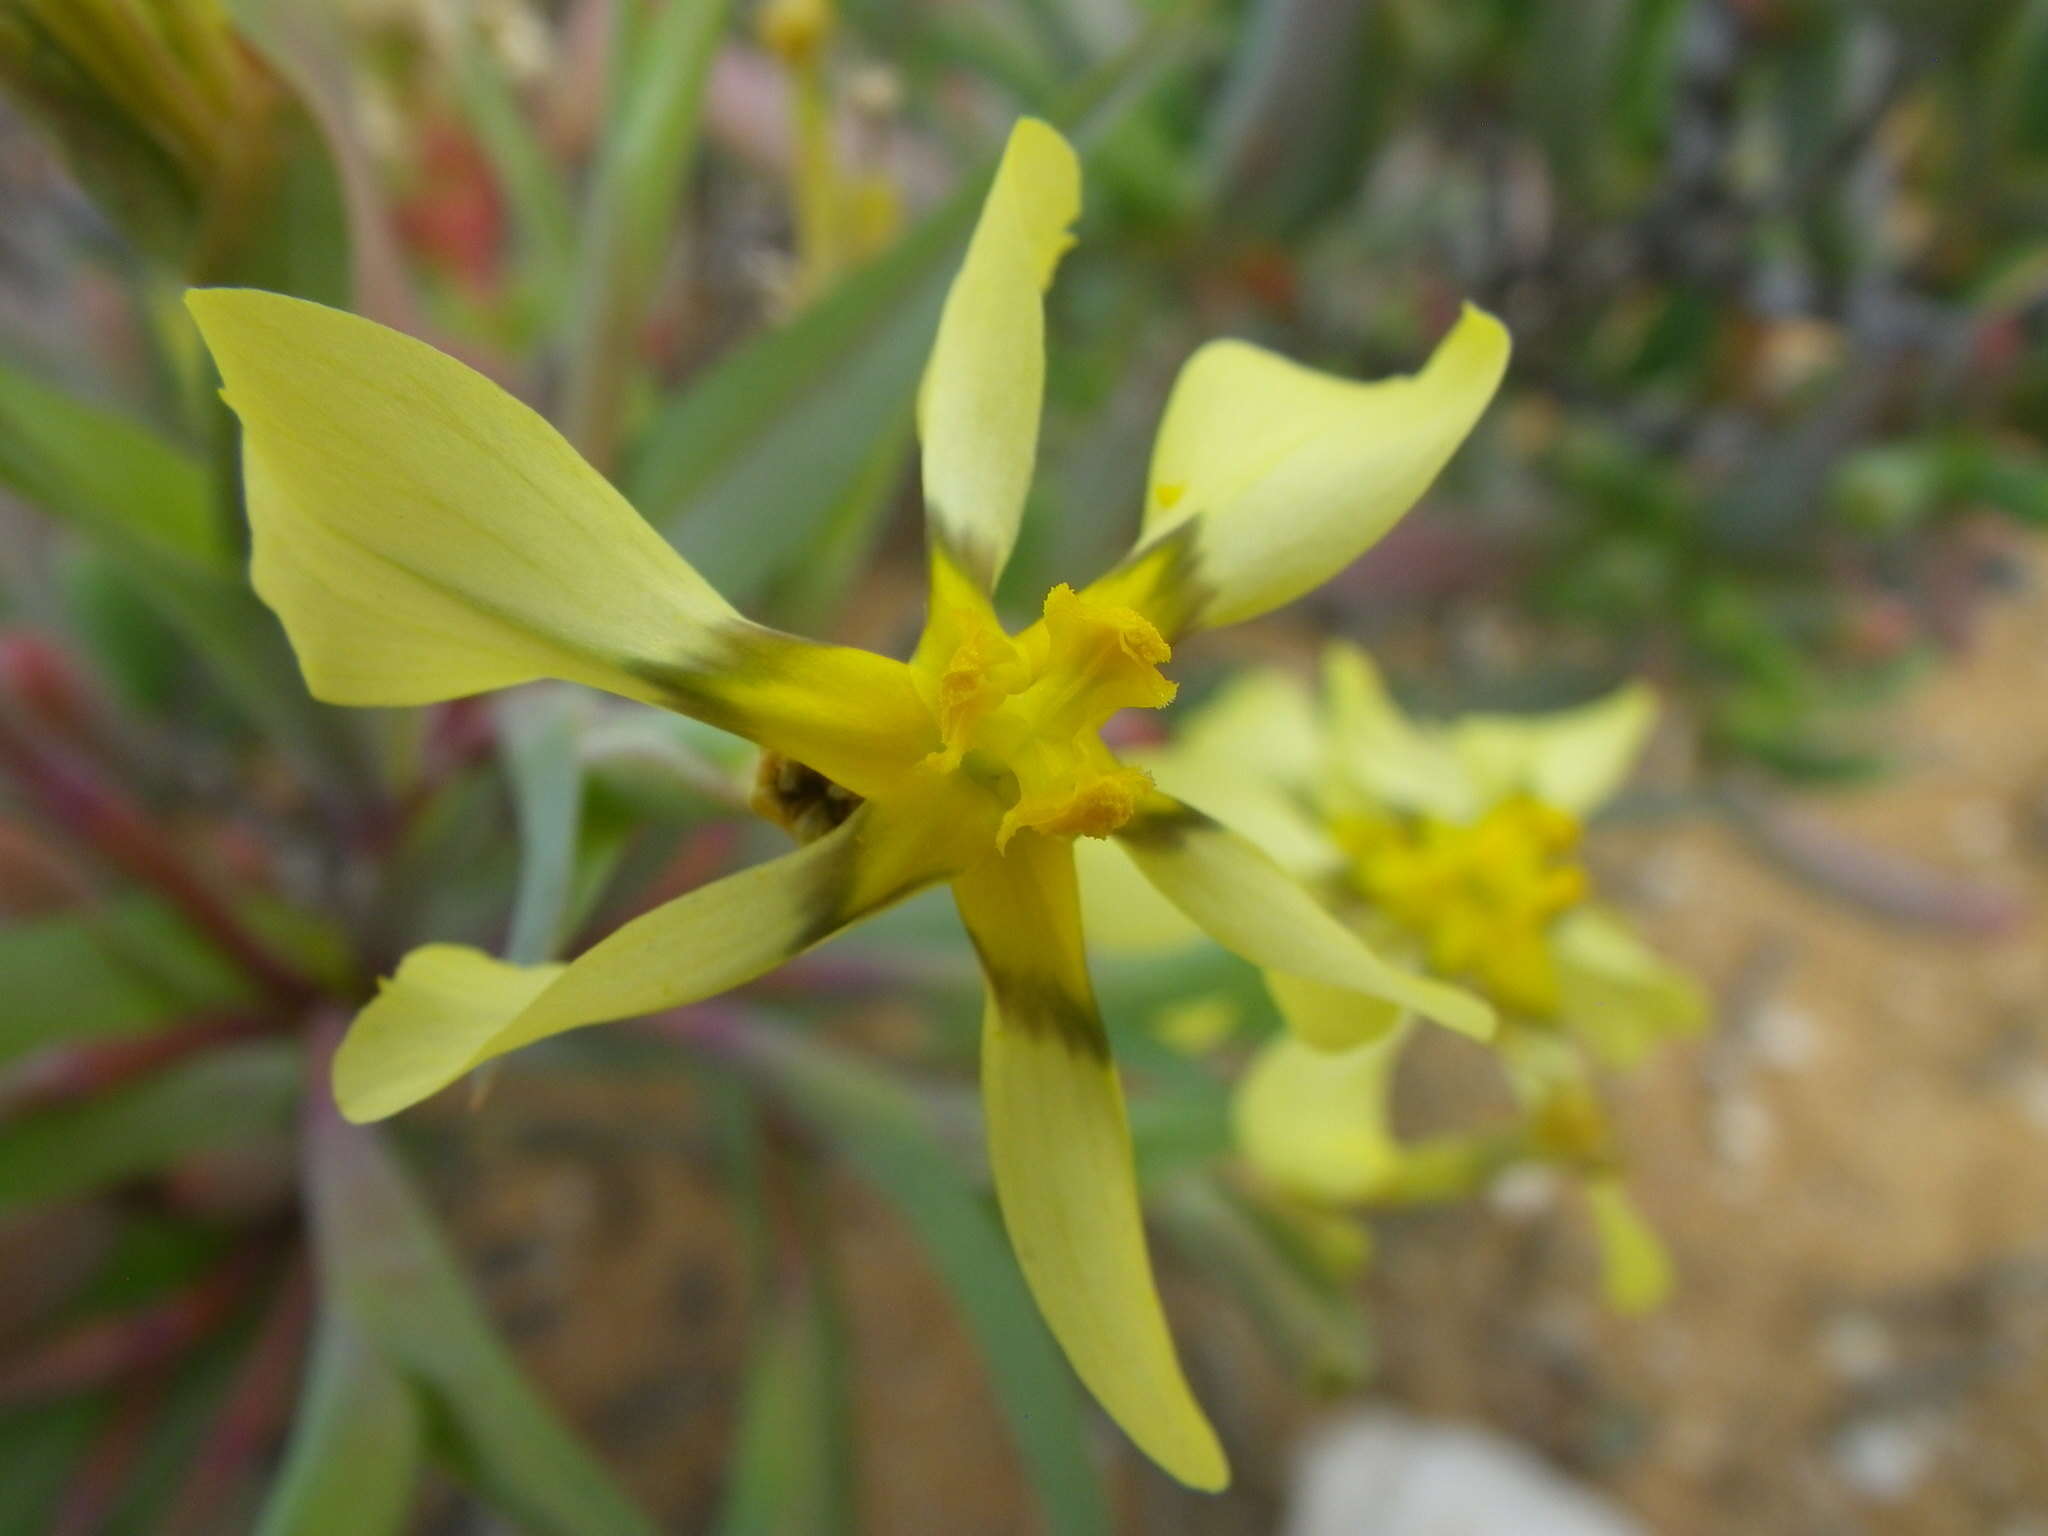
x=1481, y=895
x=1023, y=714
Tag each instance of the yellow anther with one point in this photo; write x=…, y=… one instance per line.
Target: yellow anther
x=1168, y=494
x=1023, y=715
x=794, y=30
x=1082, y=807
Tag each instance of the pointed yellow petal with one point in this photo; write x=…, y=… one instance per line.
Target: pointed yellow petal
x=1615, y=993
x=1254, y=758
x=1268, y=478
x=1635, y=1269
x=1247, y=903
x=423, y=536
x=444, y=1004
x=1389, y=759
x=978, y=407
x=450, y=1009
x=1574, y=759
x=1060, y=1148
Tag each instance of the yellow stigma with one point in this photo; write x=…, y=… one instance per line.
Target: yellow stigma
x=1480, y=895
x=1023, y=714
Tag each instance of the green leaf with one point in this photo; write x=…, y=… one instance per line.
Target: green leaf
x=387, y=1270
x=791, y=1464
x=643, y=171
x=520, y=165
x=356, y=1447
x=144, y=504
x=124, y=968
x=97, y=468
x=74, y=1149
x=1315, y=1323
x=779, y=460
x=773, y=471
x=887, y=1134
x=538, y=730
x=39, y=1448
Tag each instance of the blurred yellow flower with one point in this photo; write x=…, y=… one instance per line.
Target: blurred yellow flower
x=424, y=536
x=1454, y=846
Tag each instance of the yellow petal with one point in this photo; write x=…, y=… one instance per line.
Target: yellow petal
x=1125, y=914
x=424, y=536
x=1247, y=903
x=1253, y=757
x=1617, y=994
x=1389, y=759
x=445, y=1001
x=1268, y=477
x=1574, y=759
x=1060, y=1149
x=1317, y=1123
x=978, y=407
x=1331, y=1018
x=449, y=1009
x=1635, y=1268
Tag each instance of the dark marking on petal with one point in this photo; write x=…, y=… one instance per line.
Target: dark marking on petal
x=1165, y=824
x=1036, y=1002
x=973, y=557
x=1162, y=579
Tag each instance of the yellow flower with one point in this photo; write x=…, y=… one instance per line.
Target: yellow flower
x=1455, y=844
x=424, y=536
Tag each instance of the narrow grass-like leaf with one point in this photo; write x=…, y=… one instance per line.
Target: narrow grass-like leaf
x=773, y=472
x=356, y=1448
x=538, y=729
x=529, y=179
x=73, y=1149
x=144, y=504
x=794, y=441
x=643, y=170
x=791, y=1463
x=388, y=1270
x=120, y=969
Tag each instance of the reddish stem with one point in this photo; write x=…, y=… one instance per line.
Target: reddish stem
x=110, y=1348
x=79, y=1071
x=256, y=1407
x=102, y=1475
x=106, y=820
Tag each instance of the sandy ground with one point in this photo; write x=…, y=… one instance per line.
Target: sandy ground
x=1852, y=1172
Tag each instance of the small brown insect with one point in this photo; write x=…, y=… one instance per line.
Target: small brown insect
x=799, y=799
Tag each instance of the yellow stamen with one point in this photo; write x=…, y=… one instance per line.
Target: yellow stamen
x=1022, y=715
x=1480, y=896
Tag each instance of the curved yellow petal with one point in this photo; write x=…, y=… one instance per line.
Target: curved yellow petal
x=424, y=536
x=451, y=1009
x=1615, y=993
x=1574, y=759
x=1125, y=913
x=1383, y=755
x=1060, y=1149
x=1331, y=1018
x=444, y=1005
x=978, y=407
x=1318, y=1123
x=1254, y=757
x=1636, y=1273
x=1247, y=903
x=1268, y=477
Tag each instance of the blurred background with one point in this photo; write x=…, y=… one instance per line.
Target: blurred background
x=1777, y=272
